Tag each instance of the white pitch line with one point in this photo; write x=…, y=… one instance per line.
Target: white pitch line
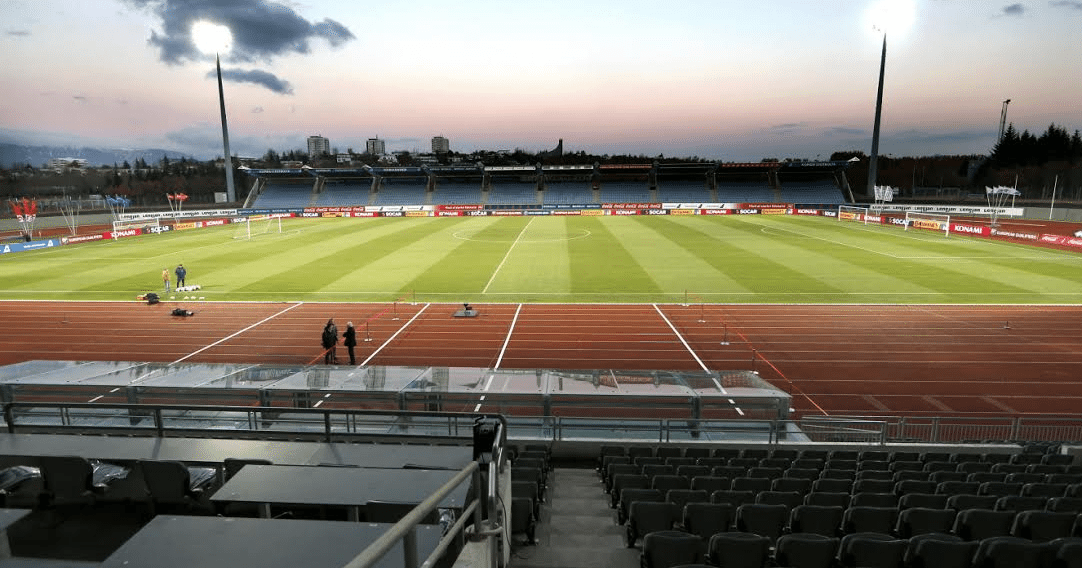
x=391, y=338
x=508, y=255
x=681, y=338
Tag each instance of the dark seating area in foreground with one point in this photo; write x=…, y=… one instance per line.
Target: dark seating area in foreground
x=775, y=506
x=175, y=485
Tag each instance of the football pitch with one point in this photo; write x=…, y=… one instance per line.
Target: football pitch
x=639, y=259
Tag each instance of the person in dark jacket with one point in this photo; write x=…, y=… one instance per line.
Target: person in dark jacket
x=181, y=273
x=349, y=339
x=330, y=343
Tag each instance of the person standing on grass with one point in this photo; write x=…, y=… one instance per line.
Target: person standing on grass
x=165, y=279
x=330, y=343
x=181, y=273
x=349, y=339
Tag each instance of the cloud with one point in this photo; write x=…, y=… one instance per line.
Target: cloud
x=262, y=29
x=257, y=110
x=256, y=77
x=17, y=33
x=1012, y=10
x=788, y=127
x=1067, y=4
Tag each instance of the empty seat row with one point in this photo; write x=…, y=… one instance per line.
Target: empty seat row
x=772, y=514
x=673, y=548
x=774, y=467
x=689, y=480
x=770, y=524
x=663, y=451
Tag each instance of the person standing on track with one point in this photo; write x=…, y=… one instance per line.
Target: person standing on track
x=349, y=339
x=181, y=273
x=165, y=279
x=330, y=343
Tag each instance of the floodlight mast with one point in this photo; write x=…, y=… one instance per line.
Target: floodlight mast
x=230, y=192
x=874, y=159
x=1003, y=119
x=214, y=38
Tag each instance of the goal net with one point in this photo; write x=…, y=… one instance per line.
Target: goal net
x=145, y=224
x=259, y=225
x=850, y=213
x=929, y=221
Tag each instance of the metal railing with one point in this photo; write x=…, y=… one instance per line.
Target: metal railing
x=941, y=429
x=486, y=526
x=340, y=424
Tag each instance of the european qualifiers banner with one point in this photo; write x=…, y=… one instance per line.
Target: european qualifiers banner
x=31, y=245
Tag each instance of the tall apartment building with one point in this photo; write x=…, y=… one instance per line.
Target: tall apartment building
x=375, y=147
x=318, y=146
x=440, y=145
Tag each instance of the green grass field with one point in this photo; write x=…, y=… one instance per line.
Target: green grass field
x=738, y=259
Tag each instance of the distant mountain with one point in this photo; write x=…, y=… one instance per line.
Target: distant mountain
x=36, y=156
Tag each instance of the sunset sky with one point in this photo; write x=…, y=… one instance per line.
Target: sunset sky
x=722, y=79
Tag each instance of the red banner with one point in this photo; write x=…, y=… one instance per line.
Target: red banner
x=124, y=233
x=978, y=230
x=1062, y=240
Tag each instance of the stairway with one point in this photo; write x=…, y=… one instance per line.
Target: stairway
x=577, y=528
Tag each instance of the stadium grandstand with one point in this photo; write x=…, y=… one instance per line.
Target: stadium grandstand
x=129, y=464
x=512, y=185
x=567, y=185
x=340, y=187
x=701, y=182
x=457, y=185
x=401, y=186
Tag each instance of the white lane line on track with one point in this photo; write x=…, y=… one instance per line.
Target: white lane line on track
x=508, y=255
x=391, y=338
x=507, y=339
x=499, y=359
x=681, y=338
x=488, y=385
x=219, y=342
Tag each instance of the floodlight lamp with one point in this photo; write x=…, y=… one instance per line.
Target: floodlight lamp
x=891, y=16
x=211, y=38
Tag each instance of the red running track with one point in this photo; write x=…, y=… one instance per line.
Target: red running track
x=918, y=360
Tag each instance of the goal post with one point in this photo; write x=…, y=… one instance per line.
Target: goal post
x=851, y=213
x=145, y=224
x=258, y=225
x=929, y=221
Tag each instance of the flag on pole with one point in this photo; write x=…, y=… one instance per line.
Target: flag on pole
x=1002, y=190
x=884, y=193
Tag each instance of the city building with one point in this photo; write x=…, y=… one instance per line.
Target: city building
x=318, y=146
x=375, y=146
x=440, y=145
